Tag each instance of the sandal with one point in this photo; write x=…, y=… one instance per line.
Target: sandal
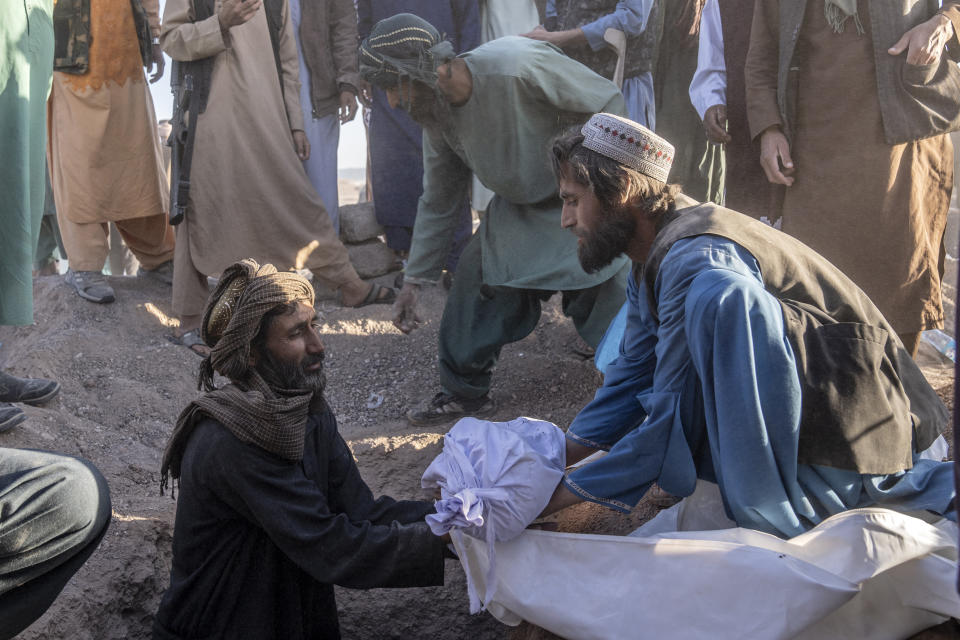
x=374, y=296
x=191, y=339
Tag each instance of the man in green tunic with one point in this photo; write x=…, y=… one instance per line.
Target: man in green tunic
x=491, y=111
x=26, y=68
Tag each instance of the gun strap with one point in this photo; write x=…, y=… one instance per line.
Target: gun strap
x=274, y=10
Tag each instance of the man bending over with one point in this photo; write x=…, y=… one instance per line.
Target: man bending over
x=748, y=359
x=491, y=111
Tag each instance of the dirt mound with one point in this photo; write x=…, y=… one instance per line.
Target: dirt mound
x=124, y=383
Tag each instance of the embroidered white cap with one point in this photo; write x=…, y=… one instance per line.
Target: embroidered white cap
x=629, y=143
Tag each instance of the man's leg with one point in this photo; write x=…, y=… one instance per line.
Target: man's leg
x=592, y=310
x=87, y=246
x=190, y=292
x=151, y=239
x=477, y=321
x=321, y=166
x=55, y=509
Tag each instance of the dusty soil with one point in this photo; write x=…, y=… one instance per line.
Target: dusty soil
x=124, y=384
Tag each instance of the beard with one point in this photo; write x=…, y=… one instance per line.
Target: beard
x=283, y=374
x=610, y=239
x=430, y=111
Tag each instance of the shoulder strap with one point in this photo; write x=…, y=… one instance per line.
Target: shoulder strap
x=274, y=13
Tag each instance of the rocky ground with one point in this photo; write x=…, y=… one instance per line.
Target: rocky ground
x=124, y=384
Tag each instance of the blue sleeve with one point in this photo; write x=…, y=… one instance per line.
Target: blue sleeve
x=668, y=444
x=551, y=9
x=467, y=15
x=630, y=16
x=615, y=410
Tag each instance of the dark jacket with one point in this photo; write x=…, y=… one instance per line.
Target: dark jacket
x=916, y=102
x=259, y=541
x=328, y=37
x=865, y=406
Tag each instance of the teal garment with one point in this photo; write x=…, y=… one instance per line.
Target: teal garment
x=525, y=92
x=26, y=74
x=478, y=320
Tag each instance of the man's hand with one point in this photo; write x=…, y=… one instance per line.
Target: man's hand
x=233, y=13
x=366, y=94
x=774, y=150
x=405, y=315
x=568, y=38
x=348, y=106
x=301, y=144
x=925, y=42
x=157, y=65
x=715, y=123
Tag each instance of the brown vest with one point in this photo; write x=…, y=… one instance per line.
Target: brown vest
x=861, y=390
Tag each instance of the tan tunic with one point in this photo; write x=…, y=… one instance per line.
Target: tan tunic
x=878, y=212
x=104, y=154
x=249, y=194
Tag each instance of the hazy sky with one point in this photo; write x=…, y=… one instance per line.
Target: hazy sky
x=353, y=142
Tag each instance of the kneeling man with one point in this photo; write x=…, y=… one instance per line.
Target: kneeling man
x=272, y=511
x=748, y=359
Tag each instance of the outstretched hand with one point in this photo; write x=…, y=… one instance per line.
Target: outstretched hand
x=925, y=42
x=405, y=316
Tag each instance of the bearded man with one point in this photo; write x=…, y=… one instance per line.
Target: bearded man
x=748, y=359
x=272, y=511
x=491, y=111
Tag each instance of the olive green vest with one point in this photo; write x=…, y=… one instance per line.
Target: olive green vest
x=861, y=390
x=71, y=31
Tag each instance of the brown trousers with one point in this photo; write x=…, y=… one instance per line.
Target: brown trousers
x=150, y=239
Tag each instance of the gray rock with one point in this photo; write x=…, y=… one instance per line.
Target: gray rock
x=323, y=291
x=358, y=223
x=372, y=258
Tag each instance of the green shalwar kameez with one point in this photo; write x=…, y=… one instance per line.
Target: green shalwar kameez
x=524, y=93
x=26, y=69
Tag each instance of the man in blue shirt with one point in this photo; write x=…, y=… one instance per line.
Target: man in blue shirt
x=748, y=359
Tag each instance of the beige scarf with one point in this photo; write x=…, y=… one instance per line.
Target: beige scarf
x=838, y=11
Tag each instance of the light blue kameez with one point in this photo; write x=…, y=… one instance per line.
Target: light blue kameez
x=713, y=392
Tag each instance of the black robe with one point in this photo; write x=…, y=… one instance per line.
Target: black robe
x=260, y=541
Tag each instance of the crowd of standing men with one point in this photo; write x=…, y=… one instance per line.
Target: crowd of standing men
x=463, y=102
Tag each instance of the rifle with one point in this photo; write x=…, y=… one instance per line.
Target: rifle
x=182, y=135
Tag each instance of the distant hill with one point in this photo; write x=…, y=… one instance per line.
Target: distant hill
x=353, y=174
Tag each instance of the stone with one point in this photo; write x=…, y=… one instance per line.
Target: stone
x=358, y=223
x=372, y=258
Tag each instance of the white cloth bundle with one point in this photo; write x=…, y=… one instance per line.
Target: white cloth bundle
x=495, y=479
x=864, y=573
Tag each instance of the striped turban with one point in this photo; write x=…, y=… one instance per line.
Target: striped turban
x=245, y=293
x=403, y=45
x=273, y=419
